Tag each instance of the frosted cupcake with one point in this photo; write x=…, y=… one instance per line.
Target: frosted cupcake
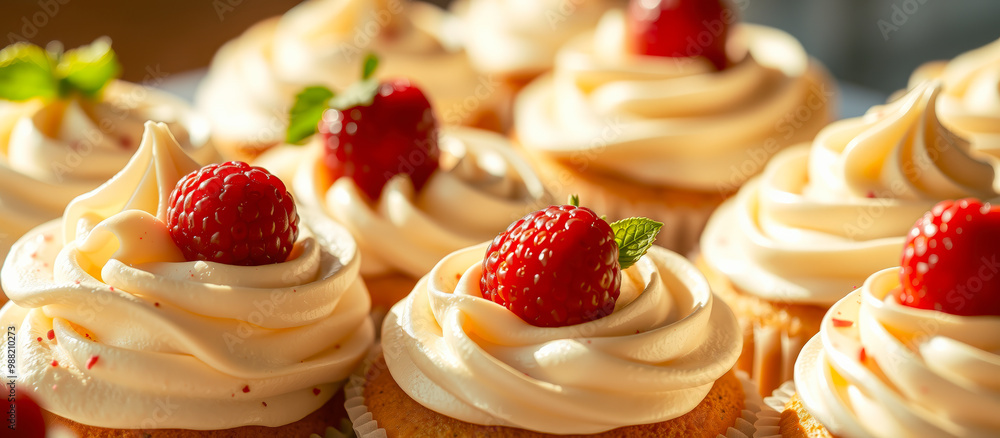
x=516, y=41
x=641, y=127
x=970, y=103
x=823, y=216
x=915, y=351
x=409, y=195
x=60, y=141
x=564, y=324
x=253, y=79
x=131, y=317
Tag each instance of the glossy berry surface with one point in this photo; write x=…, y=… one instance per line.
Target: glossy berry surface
x=680, y=28
x=951, y=260
x=26, y=417
x=233, y=213
x=554, y=267
x=396, y=134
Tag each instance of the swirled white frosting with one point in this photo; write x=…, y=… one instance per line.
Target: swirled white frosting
x=653, y=359
x=253, y=79
x=52, y=152
x=819, y=220
x=880, y=369
x=674, y=121
x=483, y=187
x=970, y=103
x=145, y=339
x=520, y=38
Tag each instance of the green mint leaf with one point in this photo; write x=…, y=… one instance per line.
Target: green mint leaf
x=574, y=200
x=306, y=113
x=369, y=66
x=88, y=69
x=634, y=236
x=359, y=93
x=26, y=72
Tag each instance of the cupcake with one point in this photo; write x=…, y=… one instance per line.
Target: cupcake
x=127, y=323
x=517, y=41
x=823, y=216
x=516, y=338
x=915, y=351
x=58, y=143
x=252, y=81
x=409, y=194
x=970, y=102
x=641, y=122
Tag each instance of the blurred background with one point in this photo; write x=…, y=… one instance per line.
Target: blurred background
x=874, y=44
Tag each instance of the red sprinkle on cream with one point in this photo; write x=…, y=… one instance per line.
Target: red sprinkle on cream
x=863, y=355
x=55, y=363
x=51, y=334
x=264, y=403
x=39, y=339
x=315, y=391
x=842, y=323
x=246, y=388
x=92, y=361
x=156, y=304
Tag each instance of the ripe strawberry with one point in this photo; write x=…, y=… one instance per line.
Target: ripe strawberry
x=370, y=132
x=370, y=143
x=950, y=260
x=233, y=213
x=27, y=416
x=562, y=265
x=680, y=28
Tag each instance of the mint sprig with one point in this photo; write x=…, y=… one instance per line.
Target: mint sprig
x=310, y=103
x=634, y=236
x=306, y=113
x=28, y=71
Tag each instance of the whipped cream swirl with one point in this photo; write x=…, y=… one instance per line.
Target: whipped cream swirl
x=482, y=187
x=657, y=355
x=819, y=220
x=144, y=339
x=520, y=39
x=52, y=152
x=970, y=103
x=253, y=79
x=674, y=122
x=881, y=369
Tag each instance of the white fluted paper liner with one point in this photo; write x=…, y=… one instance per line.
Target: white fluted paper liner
x=365, y=425
x=767, y=425
x=770, y=343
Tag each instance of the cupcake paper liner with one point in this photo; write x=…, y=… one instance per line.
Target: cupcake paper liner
x=774, y=354
x=769, y=417
x=365, y=426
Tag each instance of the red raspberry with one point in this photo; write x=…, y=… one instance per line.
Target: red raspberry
x=950, y=260
x=680, y=28
x=28, y=415
x=233, y=213
x=555, y=267
x=396, y=134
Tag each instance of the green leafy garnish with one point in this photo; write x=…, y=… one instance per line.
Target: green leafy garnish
x=368, y=67
x=634, y=236
x=311, y=102
x=89, y=68
x=307, y=112
x=28, y=71
x=574, y=200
